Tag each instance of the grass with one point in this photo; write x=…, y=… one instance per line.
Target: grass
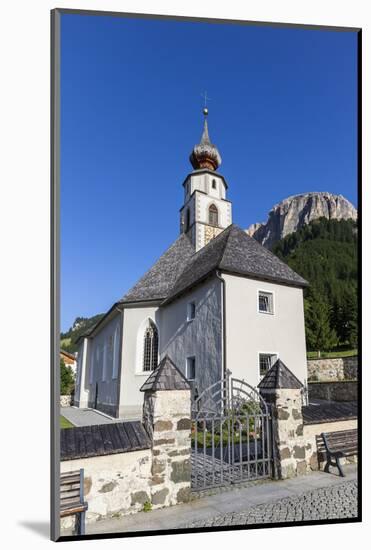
x=64, y=423
x=332, y=354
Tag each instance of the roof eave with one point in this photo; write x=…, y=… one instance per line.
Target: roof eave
x=268, y=278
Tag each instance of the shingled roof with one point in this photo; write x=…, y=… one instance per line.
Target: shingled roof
x=158, y=281
x=166, y=377
x=180, y=267
x=280, y=377
x=234, y=251
x=104, y=439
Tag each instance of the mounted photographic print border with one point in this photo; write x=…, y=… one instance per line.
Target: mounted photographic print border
x=205, y=163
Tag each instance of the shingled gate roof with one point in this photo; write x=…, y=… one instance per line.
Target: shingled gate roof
x=280, y=377
x=166, y=377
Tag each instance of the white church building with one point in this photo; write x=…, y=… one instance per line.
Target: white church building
x=215, y=300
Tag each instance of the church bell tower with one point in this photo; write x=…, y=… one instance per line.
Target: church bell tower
x=206, y=210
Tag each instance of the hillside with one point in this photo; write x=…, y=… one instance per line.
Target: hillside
x=80, y=325
x=294, y=212
x=325, y=253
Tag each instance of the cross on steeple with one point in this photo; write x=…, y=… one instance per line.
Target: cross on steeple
x=204, y=95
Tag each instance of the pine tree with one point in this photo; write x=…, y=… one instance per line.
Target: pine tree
x=320, y=336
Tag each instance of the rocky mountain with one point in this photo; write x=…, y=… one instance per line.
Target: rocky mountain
x=294, y=212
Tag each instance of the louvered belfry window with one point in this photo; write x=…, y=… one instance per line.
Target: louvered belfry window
x=150, y=350
x=213, y=215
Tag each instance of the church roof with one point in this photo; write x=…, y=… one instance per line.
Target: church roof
x=280, y=377
x=161, y=277
x=166, y=377
x=236, y=252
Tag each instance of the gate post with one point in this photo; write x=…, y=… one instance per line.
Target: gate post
x=282, y=390
x=167, y=419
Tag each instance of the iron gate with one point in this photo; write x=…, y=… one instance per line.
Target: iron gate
x=231, y=435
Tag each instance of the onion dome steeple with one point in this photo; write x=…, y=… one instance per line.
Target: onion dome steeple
x=205, y=154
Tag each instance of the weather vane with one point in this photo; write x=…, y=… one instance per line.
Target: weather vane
x=206, y=98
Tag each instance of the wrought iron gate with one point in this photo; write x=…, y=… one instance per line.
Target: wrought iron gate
x=231, y=435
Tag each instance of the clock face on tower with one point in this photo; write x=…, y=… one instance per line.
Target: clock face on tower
x=211, y=232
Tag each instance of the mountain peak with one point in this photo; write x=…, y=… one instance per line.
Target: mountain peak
x=292, y=213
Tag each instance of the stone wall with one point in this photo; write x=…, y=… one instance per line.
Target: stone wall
x=289, y=441
x=65, y=400
x=342, y=368
x=166, y=416
x=345, y=390
x=115, y=485
x=126, y=482
x=316, y=460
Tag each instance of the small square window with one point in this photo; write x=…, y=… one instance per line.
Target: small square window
x=191, y=368
x=265, y=302
x=191, y=311
x=266, y=361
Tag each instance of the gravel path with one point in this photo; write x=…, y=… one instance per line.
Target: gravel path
x=338, y=501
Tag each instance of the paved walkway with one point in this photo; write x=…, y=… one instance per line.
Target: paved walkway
x=88, y=417
x=329, y=494
x=334, y=502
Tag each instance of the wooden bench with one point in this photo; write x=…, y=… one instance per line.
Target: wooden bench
x=72, y=498
x=339, y=445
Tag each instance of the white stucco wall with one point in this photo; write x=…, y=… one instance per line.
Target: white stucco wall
x=132, y=377
x=203, y=182
x=100, y=377
x=250, y=332
x=81, y=390
x=201, y=338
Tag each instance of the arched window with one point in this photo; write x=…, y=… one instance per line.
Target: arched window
x=213, y=215
x=150, y=349
x=187, y=220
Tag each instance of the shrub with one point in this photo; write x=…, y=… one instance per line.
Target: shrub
x=67, y=379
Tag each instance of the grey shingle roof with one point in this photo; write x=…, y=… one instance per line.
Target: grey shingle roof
x=329, y=412
x=180, y=267
x=104, y=439
x=166, y=377
x=158, y=281
x=280, y=377
x=236, y=252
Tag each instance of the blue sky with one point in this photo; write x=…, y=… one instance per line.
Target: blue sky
x=283, y=113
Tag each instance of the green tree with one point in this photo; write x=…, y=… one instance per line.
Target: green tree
x=67, y=379
x=320, y=336
x=324, y=252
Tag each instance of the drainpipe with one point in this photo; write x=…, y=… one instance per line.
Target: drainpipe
x=224, y=322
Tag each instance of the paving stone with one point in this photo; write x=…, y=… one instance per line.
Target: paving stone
x=334, y=502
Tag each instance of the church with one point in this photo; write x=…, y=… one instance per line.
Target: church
x=215, y=300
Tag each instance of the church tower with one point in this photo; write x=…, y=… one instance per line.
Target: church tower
x=206, y=210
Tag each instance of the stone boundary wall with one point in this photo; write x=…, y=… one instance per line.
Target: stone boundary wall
x=65, y=400
x=314, y=459
x=344, y=390
x=167, y=415
x=114, y=485
x=127, y=482
x=324, y=370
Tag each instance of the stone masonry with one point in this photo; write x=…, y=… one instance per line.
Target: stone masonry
x=167, y=419
x=282, y=390
x=324, y=370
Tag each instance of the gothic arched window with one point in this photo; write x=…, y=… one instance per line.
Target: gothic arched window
x=213, y=215
x=150, y=349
